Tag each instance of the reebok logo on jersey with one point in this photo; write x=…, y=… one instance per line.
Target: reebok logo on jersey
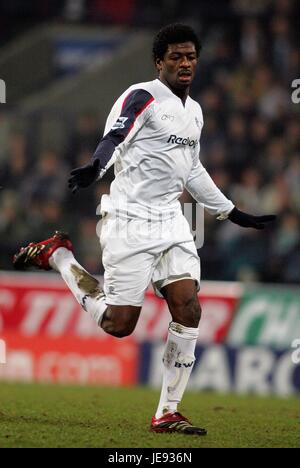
x=182, y=141
x=120, y=123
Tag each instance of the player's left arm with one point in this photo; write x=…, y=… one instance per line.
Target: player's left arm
x=203, y=189
x=132, y=117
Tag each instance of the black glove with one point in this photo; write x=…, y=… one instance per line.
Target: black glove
x=84, y=176
x=247, y=220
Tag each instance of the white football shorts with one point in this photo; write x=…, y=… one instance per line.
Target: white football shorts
x=137, y=251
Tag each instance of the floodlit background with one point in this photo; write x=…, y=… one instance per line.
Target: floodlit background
x=64, y=64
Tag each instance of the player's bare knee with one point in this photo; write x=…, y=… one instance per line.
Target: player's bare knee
x=116, y=323
x=118, y=331
x=186, y=311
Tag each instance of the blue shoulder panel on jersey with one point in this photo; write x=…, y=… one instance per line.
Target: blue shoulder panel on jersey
x=134, y=104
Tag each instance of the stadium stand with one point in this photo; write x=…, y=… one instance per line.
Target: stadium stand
x=250, y=141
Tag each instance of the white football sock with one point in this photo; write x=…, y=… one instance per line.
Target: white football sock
x=85, y=287
x=178, y=361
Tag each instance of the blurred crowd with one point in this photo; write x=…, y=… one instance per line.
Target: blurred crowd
x=250, y=146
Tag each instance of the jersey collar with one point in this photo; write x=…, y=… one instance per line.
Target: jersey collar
x=169, y=91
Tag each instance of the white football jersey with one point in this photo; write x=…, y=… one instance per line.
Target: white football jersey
x=152, y=139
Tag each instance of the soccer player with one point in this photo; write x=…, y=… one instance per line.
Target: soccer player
x=152, y=137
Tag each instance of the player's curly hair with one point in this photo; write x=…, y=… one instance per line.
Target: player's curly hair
x=173, y=34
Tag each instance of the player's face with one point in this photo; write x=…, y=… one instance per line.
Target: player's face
x=178, y=66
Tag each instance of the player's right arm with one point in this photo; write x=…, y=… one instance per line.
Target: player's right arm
x=204, y=190
x=132, y=116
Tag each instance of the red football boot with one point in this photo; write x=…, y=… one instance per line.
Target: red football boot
x=175, y=422
x=38, y=255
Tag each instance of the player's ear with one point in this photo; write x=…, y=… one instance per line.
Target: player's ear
x=158, y=64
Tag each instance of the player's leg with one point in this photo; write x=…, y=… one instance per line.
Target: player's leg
x=183, y=302
x=179, y=358
x=177, y=278
x=117, y=320
x=57, y=253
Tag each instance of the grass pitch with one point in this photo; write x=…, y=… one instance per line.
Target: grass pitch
x=59, y=416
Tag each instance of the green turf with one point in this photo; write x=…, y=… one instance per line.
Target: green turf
x=58, y=416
